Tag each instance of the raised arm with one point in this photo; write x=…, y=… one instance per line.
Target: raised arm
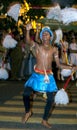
x=37, y=38
x=31, y=42
x=28, y=38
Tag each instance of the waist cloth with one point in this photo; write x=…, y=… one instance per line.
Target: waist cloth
x=37, y=83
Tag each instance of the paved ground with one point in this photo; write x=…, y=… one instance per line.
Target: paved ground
x=12, y=109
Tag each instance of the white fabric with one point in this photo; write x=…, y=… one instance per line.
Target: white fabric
x=14, y=11
x=73, y=56
x=9, y=42
x=3, y=74
x=54, y=13
x=66, y=72
x=69, y=15
x=59, y=35
x=7, y=66
x=66, y=15
x=61, y=97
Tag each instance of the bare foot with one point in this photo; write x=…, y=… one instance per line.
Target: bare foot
x=46, y=124
x=26, y=117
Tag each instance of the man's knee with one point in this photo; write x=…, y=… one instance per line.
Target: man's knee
x=27, y=91
x=50, y=97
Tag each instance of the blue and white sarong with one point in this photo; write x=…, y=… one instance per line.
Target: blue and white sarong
x=36, y=82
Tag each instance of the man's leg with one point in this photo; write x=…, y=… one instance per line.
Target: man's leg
x=26, y=99
x=49, y=102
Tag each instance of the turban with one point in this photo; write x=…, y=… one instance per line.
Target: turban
x=46, y=29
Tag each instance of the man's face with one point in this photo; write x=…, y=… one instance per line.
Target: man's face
x=46, y=36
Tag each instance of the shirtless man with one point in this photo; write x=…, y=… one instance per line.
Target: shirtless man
x=42, y=80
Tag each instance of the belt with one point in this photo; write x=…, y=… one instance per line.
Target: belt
x=42, y=71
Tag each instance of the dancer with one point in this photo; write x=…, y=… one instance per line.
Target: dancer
x=42, y=79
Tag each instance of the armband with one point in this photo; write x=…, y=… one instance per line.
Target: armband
x=32, y=47
x=56, y=56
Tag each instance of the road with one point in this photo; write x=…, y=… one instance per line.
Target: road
x=12, y=109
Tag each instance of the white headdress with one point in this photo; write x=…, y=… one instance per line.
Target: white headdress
x=3, y=74
x=14, y=11
x=9, y=42
x=59, y=35
x=66, y=15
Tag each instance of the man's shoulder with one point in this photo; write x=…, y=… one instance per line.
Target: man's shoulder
x=54, y=47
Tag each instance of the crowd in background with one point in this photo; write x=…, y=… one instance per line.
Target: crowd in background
x=19, y=61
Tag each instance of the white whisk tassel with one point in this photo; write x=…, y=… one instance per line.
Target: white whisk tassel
x=61, y=97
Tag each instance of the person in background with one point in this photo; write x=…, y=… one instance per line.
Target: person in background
x=64, y=54
x=65, y=50
x=25, y=49
x=73, y=54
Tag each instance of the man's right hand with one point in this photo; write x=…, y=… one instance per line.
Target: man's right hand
x=38, y=26
x=28, y=26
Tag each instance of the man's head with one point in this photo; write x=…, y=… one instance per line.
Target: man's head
x=73, y=39
x=46, y=29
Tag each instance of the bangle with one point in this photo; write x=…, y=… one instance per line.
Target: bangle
x=37, y=30
x=71, y=67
